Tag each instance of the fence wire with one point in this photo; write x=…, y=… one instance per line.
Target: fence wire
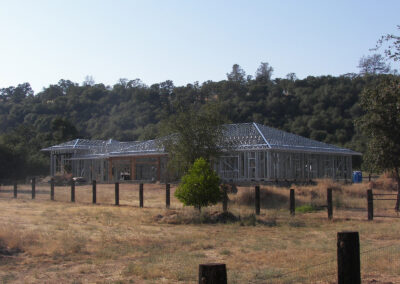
x=376, y=263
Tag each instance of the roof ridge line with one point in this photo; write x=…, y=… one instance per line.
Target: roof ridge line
x=262, y=135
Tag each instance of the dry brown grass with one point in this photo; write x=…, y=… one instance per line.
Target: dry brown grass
x=384, y=182
x=84, y=243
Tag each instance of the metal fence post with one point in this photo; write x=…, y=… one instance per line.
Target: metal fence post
x=370, y=203
x=348, y=258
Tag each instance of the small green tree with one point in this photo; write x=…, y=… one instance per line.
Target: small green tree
x=200, y=186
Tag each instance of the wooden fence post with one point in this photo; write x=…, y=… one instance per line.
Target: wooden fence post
x=212, y=273
x=348, y=258
x=370, y=203
x=257, y=199
x=52, y=189
x=224, y=198
x=72, y=190
x=292, y=202
x=141, y=195
x=33, y=188
x=117, y=193
x=15, y=189
x=329, y=201
x=167, y=195
x=94, y=191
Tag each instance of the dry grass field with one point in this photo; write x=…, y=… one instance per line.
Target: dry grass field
x=43, y=241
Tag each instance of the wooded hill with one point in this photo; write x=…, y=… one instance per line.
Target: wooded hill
x=322, y=108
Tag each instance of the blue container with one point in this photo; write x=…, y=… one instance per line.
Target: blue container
x=357, y=177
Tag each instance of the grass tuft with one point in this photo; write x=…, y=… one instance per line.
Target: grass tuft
x=308, y=208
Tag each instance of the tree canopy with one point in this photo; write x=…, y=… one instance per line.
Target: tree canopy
x=373, y=64
x=196, y=133
x=391, y=44
x=381, y=124
x=321, y=108
x=200, y=186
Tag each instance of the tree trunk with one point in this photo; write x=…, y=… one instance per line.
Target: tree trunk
x=398, y=189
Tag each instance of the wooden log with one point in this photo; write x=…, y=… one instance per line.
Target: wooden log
x=224, y=198
x=257, y=199
x=348, y=258
x=52, y=189
x=117, y=193
x=141, y=195
x=212, y=273
x=167, y=195
x=72, y=190
x=94, y=191
x=33, y=188
x=15, y=190
x=329, y=201
x=292, y=202
x=370, y=204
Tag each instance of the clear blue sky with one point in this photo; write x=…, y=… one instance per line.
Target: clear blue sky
x=42, y=41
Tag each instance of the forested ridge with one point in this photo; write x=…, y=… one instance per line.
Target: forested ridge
x=322, y=108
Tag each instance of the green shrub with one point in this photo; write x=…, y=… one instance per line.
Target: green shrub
x=307, y=208
x=200, y=186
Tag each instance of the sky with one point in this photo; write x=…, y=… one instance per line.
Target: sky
x=185, y=41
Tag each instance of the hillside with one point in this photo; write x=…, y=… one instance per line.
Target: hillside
x=322, y=108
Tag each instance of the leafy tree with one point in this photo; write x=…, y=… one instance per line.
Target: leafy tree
x=11, y=163
x=393, y=49
x=291, y=77
x=17, y=94
x=381, y=124
x=200, y=186
x=320, y=107
x=89, y=81
x=264, y=72
x=237, y=74
x=196, y=133
x=63, y=130
x=372, y=65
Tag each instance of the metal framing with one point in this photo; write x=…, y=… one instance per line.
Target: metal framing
x=252, y=152
x=270, y=165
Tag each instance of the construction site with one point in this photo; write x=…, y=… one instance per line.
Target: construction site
x=256, y=153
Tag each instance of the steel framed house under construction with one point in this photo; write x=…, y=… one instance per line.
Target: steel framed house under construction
x=255, y=153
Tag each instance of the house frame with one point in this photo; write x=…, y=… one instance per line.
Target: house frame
x=252, y=152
